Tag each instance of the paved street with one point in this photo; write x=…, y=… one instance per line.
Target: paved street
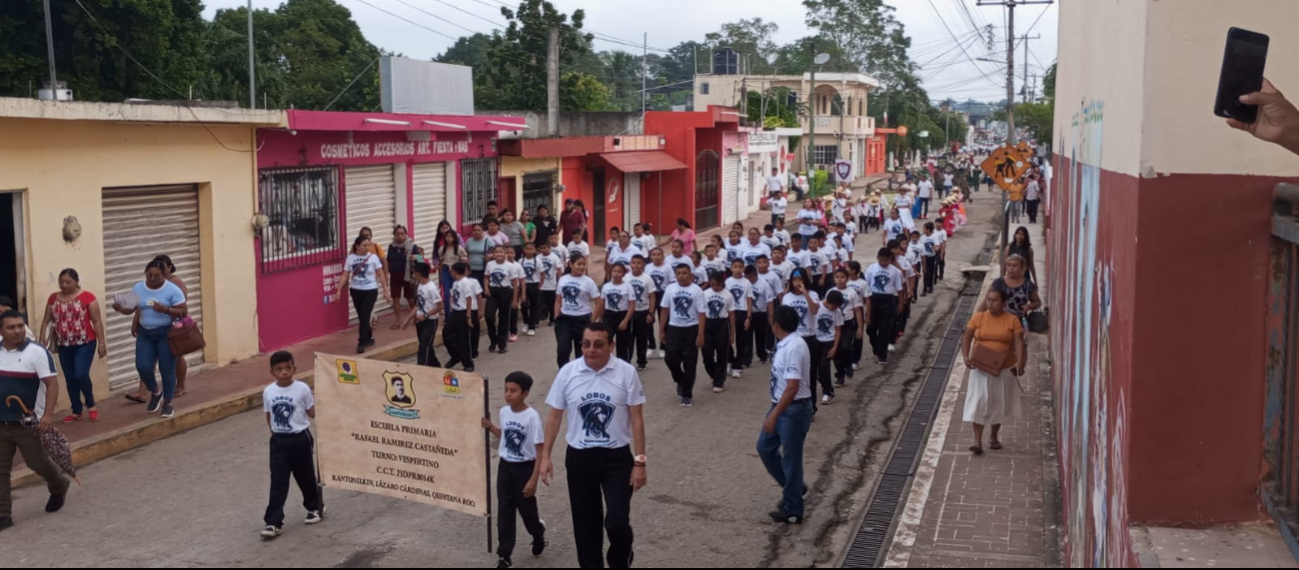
x=197, y=499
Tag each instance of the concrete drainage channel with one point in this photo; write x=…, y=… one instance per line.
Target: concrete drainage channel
x=872, y=540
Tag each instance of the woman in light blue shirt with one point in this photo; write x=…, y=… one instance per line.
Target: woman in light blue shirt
x=160, y=302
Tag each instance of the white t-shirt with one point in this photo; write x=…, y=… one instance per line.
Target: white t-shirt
x=793, y=361
x=893, y=228
x=427, y=297
x=531, y=270
x=783, y=236
x=770, y=241
x=661, y=275
x=860, y=287
x=798, y=259
x=734, y=251
x=779, y=206
x=947, y=179
x=685, y=304
x=762, y=294
x=578, y=294
x=521, y=433
x=740, y=290
x=903, y=201
x=782, y=272
x=915, y=251
x=516, y=271
x=930, y=244
x=561, y=252
x=828, y=322
x=818, y=262
x=674, y=262
x=642, y=286
x=806, y=320
x=925, y=189
x=775, y=285
x=701, y=277
x=597, y=403
x=715, y=264
x=617, y=298
x=574, y=249
x=717, y=304
x=942, y=235
x=884, y=280
x=364, y=271
x=838, y=207
x=499, y=239
x=464, y=294
x=775, y=184
x=550, y=266
x=646, y=242
x=288, y=407
x=620, y=256
x=499, y=275
x=809, y=221
x=751, y=252
x=851, y=302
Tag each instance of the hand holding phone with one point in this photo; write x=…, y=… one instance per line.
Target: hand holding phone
x=1243, y=62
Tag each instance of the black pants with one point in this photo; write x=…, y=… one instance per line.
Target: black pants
x=498, y=315
x=901, y=323
x=568, y=337
x=427, y=331
x=643, y=333
x=547, y=309
x=456, y=339
x=848, y=350
x=600, y=498
x=682, y=357
x=882, y=329
x=858, y=344
x=1032, y=210
x=533, y=314
x=761, y=335
x=292, y=454
x=742, y=354
x=821, y=367
x=817, y=352
x=364, y=302
x=511, y=478
x=931, y=273
x=942, y=266
x=717, y=347
x=622, y=340
x=654, y=341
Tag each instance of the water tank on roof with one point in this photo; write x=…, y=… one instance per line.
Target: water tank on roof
x=726, y=61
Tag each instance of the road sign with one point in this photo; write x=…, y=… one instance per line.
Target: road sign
x=1005, y=165
x=1024, y=149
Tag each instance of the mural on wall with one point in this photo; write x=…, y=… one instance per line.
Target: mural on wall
x=1092, y=421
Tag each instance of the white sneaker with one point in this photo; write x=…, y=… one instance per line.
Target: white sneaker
x=663, y=354
x=532, y=332
x=826, y=400
x=893, y=348
x=271, y=531
x=854, y=368
x=737, y=374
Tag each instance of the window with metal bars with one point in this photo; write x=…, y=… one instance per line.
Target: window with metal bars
x=479, y=187
x=539, y=189
x=301, y=205
x=825, y=154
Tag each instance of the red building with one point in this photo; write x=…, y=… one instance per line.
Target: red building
x=709, y=144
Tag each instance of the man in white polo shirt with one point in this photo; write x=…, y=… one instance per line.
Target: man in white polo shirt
x=790, y=417
x=603, y=399
x=24, y=367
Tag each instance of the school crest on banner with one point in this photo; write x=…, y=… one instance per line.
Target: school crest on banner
x=843, y=170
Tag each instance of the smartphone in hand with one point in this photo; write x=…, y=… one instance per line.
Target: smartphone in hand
x=1242, y=73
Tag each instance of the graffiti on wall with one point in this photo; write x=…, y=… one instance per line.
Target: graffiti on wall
x=1092, y=424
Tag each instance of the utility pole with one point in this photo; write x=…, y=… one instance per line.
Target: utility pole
x=644, y=74
x=1026, y=39
x=811, y=119
x=252, y=71
x=1010, y=57
x=552, y=83
x=49, y=45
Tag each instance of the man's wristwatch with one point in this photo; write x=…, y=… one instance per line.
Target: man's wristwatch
x=640, y=461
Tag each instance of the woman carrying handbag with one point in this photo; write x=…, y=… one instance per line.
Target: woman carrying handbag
x=995, y=353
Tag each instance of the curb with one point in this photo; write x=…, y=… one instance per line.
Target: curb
x=145, y=432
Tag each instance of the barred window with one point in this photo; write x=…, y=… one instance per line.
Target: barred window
x=302, y=207
x=825, y=154
x=479, y=187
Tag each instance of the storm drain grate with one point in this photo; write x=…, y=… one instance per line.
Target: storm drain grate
x=872, y=538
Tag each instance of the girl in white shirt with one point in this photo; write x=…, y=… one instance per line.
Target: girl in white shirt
x=809, y=220
x=574, y=304
x=614, y=308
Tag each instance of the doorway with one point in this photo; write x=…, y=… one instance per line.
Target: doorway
x=13, y=262
x=597, y=234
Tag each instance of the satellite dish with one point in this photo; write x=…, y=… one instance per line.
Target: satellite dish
x=821, y=59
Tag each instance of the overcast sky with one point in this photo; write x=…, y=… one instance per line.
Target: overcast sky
x=947, y=72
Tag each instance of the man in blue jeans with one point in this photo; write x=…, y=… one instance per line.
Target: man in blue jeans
x=790, y=417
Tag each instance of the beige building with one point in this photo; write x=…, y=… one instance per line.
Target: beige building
x=838, y=110
x=104, y=187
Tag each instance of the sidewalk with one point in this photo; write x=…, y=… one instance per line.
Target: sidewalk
x=1000, y=509
x=213, y=393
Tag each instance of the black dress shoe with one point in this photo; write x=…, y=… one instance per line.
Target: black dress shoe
x=55, y=503
x=784, y=517
x=6, y=522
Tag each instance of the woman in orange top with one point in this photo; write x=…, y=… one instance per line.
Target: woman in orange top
x=991, y=400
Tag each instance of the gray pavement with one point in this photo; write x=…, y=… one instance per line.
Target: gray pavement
x=197, y=499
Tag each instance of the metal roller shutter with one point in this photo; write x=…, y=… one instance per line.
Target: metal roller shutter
x=430, y=192
x=631, y=189
x=730, y=190
x=371, y=195
x=134, y=233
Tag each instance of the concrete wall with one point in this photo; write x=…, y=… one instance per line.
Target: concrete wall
x=62, y=166
x=517, y=167
x=573, y=123
x=1153, y=193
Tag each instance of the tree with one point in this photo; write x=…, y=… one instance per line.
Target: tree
x=515, y=74
x=796, y=58
x=581, y=92
x=871, y=36
x=1039, y=118
x=753, y=39
x=468, y=50
x=1048, y=85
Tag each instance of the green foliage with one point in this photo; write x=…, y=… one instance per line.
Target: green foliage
x=778, y=114
x=820, y=183
x=752, y=38
x=514, y=76
x=873, y=40
x=1048, y=85
x=581, y=92
x=1039, y=118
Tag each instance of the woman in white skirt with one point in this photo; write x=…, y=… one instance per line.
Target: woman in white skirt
x=992, y=399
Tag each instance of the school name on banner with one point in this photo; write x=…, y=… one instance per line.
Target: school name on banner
x=392, y=149
x=404, y=431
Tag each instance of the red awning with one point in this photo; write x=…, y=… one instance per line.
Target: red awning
x=643, y=161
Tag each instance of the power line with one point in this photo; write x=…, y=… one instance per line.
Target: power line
x=950, y=33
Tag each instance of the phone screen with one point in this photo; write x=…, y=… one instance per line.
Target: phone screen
x=1242, y=73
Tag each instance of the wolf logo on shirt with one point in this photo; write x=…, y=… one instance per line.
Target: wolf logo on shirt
x=638, y=289
x=530, y=270
x=547, y=265
x=282, y=415
x=738, y=293
x=825, y=325
x=682, y=305
x=615, y=301
x=881, y=283
x=659, y=280
x=498, y=278
x=457, y=299
x=513, y=439
x=571, y=293
x=716, y=308
x=802, y=312
x=596, y=416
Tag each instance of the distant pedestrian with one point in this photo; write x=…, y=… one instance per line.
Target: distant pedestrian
x=74, y=322
x=1033, y=197
x=401, y=255
x=686, y=235
x=515, y=230
x=573, y=220
x=547, y=225
x=1022, y=245
x=994, y=351
x=290, y=406
x=427, y=313
x=522, y=438
x=925, y=194
x=810, y=219
x=779, y=203
x=775, y=185
x=780, y=443
x=604, y=401
x=529, y=228
x=362, y=275
x=157, y=303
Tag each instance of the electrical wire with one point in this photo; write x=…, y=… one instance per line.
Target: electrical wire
x=950, y=33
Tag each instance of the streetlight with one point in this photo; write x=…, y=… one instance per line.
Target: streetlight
x=820, y=59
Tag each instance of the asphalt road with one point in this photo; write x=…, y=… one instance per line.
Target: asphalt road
x=197, y=499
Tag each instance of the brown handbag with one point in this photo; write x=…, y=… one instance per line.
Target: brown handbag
x=185, y=337
x=987, y=359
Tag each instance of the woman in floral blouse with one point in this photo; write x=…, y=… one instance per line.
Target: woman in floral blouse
x=75, y=323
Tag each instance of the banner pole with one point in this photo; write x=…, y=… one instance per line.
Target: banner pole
x=487, y=450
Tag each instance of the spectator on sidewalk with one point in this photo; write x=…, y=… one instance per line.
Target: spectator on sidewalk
x=572, y=220
x=363, y=274
x=24, y=368
x=515, y=231
x=157, y=303
x=74, y=322
x=784, y=431
x=1022, y=297
x=547, y=225
x=401, y=255
x=779, y=206
x=1033, y=197
x=1278, y=120
x=775, y=184
x=448, y=251
x=1021, y=245
x=686, y=235
x=993, y=397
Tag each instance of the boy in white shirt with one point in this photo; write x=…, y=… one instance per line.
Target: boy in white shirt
x=532, y=281
x=741, y=291
x=681, y=325
x=289, y=407
x=642, y=324
x=780, y=267
x=466, y=303
x=428, y=306
x=522, y=438
x=552, y=265
x=711, y=261
x=769, y=237
x=886, y=286
x=520, y=278
x=932, y=245
x=779, y=206
x=562, y=252
x=781, y=233
x=578, y=247
x=829, y=325
x=663, y=275
x=719, y=329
